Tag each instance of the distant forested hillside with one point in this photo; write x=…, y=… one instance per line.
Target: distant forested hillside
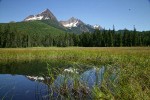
x=40, y=33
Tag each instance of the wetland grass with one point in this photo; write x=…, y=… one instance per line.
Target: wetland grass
x=132, y=63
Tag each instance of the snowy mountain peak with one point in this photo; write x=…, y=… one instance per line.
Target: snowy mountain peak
x=72, y=22
x=46, y=14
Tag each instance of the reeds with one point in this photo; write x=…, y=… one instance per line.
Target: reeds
x=133, y=65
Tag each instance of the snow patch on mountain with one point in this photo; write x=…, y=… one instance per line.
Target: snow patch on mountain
x=34, y=18
x=72, y=24
x=47, y=18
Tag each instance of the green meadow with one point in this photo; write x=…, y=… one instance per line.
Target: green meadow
x=132, y=64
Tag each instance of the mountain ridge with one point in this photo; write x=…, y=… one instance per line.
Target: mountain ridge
x=73, y=24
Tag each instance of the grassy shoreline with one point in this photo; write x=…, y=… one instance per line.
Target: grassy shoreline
x=42, y=53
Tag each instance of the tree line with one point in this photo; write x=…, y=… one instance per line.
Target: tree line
x=99, y=38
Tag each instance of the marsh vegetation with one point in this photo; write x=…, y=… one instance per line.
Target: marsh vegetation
x=126, y=75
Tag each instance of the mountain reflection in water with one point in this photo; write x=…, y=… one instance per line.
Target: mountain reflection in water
x=20, y=87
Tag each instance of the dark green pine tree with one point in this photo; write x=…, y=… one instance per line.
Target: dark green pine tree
x=129, y=38
x=103, y=38
x=134, y=37
x=75, y=38
x=1, y=36
x=148, y=40
x=71, y=42
x=113, y=36
x=120, y=40
x=139, y=39
x=110, y=38
x=125, y=37
x=5, y=42
x=95, y=38
x=99, y=38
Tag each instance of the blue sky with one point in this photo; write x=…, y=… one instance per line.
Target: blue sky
x=121, y=13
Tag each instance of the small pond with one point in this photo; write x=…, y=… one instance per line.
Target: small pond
x=16, y=86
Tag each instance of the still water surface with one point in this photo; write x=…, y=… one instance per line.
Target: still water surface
x=14, y=86
x=19, y=87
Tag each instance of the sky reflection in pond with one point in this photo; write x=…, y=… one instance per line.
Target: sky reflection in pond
x=20, y=87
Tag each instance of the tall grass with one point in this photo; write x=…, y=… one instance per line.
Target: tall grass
x=133, y=64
